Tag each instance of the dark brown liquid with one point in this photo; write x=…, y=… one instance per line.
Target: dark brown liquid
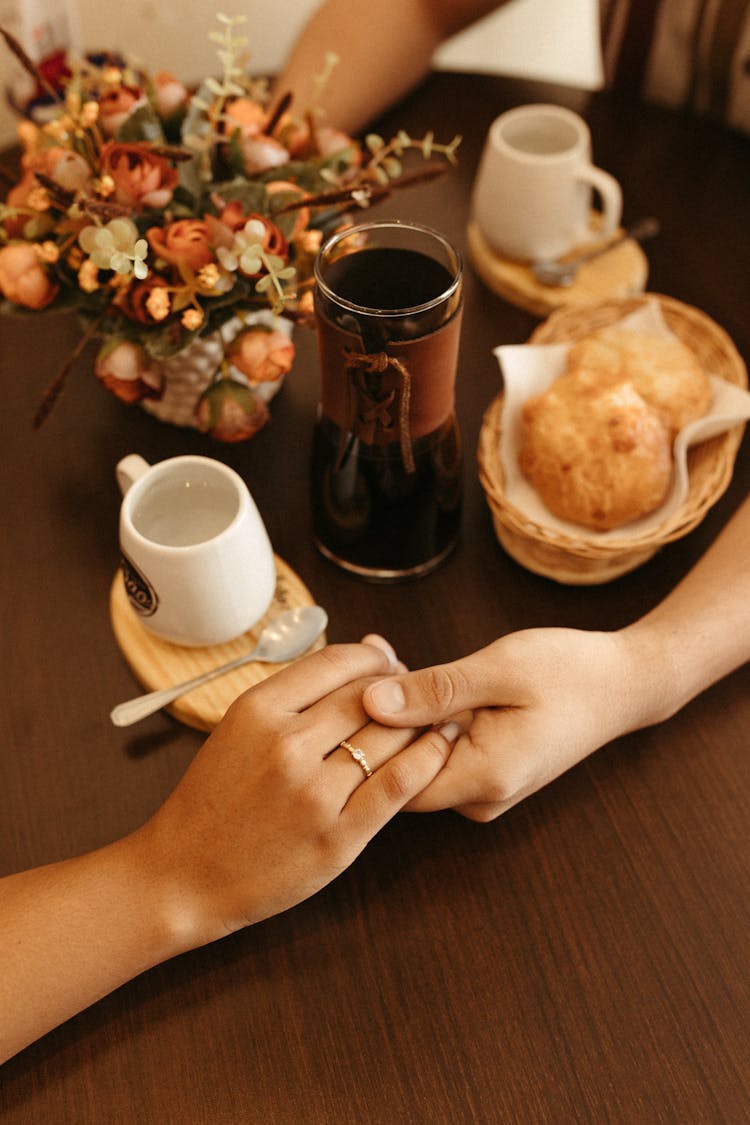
x=387, y=278
x=373, y=515
x=370, y=513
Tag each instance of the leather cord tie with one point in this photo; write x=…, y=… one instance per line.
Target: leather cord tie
x=370, y=407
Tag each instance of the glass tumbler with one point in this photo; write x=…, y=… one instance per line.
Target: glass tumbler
x=387, y=461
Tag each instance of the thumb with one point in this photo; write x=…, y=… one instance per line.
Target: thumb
x=428, y=696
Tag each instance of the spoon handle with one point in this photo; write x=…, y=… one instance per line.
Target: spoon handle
x=640, y=231
x=136, y=709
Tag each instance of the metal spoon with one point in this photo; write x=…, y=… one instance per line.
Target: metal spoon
x=564, y=273
x=287, y=636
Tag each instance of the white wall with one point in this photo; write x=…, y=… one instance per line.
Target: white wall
x=551, y=40
x=555, y=40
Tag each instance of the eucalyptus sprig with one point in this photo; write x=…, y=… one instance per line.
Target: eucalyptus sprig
x=214, y=93
x=385, y=157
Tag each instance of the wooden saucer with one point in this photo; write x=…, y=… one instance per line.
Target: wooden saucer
x=157, y=663
x=622, y=272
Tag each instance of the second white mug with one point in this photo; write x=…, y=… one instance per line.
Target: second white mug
x=196, y=559
x=533, y=192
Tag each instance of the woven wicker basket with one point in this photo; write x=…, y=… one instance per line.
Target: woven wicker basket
x=583, y=559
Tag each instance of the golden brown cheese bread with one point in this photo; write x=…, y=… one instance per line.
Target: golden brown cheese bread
x=597, y=456
x=664, y=371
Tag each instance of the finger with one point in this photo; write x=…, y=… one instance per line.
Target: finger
x=304, y=682
x=456, y=784
x=430, y=695
x=380, y=642
x=359, y=755
x=396, y=782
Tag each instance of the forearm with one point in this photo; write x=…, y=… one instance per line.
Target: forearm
x=74, y=931
x=384, y=51
x=701, y=631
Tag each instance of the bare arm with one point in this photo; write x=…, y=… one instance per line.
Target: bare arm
x=536, y=702
x=268, y=812
x=384, y=50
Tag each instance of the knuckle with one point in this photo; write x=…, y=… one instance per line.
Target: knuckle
x=505, y=786
x=397, y=782
x=434, y=746
x=482, y=814
x=441, y=686
x=338, y=656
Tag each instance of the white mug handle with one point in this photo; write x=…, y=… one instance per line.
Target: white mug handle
x=611, y=195
x=129, y=469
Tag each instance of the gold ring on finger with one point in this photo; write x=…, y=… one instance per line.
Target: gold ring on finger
x=358, y=755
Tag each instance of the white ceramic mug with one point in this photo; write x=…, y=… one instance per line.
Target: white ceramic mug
x=196, y=558
x=532, y=196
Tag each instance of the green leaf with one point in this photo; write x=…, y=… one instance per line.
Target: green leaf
x=142, y=125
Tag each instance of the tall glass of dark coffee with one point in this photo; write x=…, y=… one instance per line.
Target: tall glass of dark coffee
x=387, y=462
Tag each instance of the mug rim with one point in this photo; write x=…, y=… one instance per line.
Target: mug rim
x=381, y=224
x=160, y=467
x=541, y=109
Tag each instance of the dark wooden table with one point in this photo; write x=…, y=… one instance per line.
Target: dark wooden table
x=583, y=959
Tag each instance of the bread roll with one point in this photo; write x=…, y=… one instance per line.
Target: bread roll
x=597, y=455
x=664, y=371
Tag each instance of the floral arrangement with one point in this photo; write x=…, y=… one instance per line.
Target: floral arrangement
x=161, y=215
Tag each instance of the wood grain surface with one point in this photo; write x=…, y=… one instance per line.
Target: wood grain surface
x=583, y=960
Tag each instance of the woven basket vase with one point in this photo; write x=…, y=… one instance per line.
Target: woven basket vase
x=189, y=372
x=583, y=559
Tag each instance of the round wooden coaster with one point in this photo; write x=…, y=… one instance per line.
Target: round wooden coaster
x=622, y=272
x=157, y=663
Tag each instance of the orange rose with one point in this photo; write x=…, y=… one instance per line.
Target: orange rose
x=229, y=411
x=125, y=369
x=66, y=168
x=259, y=153
x=245, y=115
x=141, y=178
x=233, y=215
x=23, y=278
x=137, y=300
x=263, y=354
x=116, y=106
x=184, y=242
x=169, y=92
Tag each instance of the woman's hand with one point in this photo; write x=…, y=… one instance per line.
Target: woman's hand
x=273, y=808
x=521, y=712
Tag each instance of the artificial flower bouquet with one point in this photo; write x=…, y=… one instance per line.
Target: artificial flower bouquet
x=161, y=216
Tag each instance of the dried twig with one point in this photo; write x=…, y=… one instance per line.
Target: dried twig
x=15, y=47
x=278, y=113
x=374, y=192
x=54, y=390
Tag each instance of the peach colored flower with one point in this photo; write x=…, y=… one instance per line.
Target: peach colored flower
x=263, y=354
x=229, y=411
x=184, y=242
x=116, y=106
x=23, y=278
x=246, y=115
x=233, y=215
x=330, y=141
x=128, y=371
x=141, y=178
x=170, y=93
x=297, y=138
x=260, y=153
x=66, y=168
